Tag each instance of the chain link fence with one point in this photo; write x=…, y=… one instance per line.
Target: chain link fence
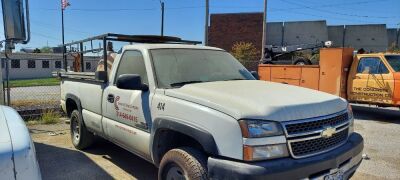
x=29, y=86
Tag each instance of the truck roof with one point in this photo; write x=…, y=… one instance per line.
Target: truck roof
x=379, y=54
x=169, y=46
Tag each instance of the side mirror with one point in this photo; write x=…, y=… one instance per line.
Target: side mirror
x=255, y=74
x=15, y=30
x=131, y=82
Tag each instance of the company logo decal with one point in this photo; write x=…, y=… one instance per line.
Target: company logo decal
x=328, y=132
x=116, y=103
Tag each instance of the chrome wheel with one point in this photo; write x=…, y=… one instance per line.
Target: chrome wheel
x=175, y=173
x=75, y=128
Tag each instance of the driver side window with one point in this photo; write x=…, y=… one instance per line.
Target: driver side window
x=371, y=65
x=132, y=62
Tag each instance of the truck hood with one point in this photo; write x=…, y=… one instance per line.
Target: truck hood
x=254, y=99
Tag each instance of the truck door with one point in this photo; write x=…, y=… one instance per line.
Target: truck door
x=372, y=82
x=126, y=113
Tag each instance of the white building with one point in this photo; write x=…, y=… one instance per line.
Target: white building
x=40, y=65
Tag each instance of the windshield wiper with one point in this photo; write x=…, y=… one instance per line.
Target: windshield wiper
x=179, y=84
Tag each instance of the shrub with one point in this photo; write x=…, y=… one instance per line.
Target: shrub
x=244, y=51
x=50, y=117
x=47, y=117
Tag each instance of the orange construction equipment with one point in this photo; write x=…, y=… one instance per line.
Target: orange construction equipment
x=363, y=78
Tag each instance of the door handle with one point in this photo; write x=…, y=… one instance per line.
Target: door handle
x=110, y=98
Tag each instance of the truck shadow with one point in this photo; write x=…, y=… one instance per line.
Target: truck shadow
x=130, y=163
x=383, y=115
x=60, y=163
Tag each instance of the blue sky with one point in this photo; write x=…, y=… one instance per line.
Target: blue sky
x=185, y=18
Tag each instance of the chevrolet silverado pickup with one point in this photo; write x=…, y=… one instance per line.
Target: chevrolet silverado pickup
x=196, y=113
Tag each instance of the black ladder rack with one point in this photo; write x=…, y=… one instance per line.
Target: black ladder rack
x=118, y=37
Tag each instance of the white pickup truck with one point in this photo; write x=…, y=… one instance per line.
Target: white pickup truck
x=196, y=113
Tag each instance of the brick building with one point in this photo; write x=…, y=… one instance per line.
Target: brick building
x=226, y=29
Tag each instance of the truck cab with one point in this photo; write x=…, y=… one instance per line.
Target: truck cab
x=195, y=112
x=375, y=79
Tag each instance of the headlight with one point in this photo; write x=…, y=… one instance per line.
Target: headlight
x=259, y=128
x=351, y=119
x=254, y=153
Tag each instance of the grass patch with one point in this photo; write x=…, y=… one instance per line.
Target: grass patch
x=48, y=117
x=34, y=82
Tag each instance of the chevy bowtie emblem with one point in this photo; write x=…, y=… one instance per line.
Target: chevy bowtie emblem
x=328, y=132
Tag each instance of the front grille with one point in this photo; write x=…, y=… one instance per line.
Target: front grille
x=309, y=126
x=317, y=145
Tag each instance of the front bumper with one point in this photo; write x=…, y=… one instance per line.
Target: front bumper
x=347, y=158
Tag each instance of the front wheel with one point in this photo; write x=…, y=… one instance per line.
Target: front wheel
x=80, y=136
x=183, y=164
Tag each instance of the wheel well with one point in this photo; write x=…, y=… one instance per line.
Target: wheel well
x=170, y=139
x=70, y=106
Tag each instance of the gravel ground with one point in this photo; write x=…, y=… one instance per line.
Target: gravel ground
x=381, y=131
x=59, y=160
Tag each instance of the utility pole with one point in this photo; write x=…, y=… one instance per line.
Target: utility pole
x=206, y=23
x=264, y=35
x=398, y=36
x=63, y=40
x=162, y=17
x=64, y=5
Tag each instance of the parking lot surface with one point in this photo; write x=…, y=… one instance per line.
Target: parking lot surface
x=58, y=159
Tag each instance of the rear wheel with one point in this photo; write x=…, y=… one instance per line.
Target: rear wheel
x=183, y=164
x=80, y=136
x=302, y=62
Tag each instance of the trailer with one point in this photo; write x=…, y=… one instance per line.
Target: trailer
x=286, y=54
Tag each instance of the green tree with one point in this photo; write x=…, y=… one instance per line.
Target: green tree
x=46, y=49
x=244, y=52
x=36, y=50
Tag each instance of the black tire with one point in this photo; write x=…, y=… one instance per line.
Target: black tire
x=81, y=138
x=302, y=61
x=183, y=163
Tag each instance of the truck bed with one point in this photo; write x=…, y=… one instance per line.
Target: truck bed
x=329, y=76
x=304, y=76
x=84, y=86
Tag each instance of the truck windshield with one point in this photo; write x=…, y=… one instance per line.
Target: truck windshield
x=177, y=67
x=394, y=61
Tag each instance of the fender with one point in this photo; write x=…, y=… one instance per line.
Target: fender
x=74, y=98
x=205, y=139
